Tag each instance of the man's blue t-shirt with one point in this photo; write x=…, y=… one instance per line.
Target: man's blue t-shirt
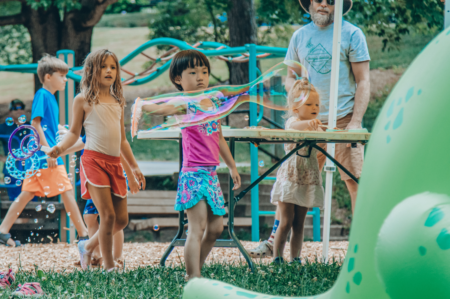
x=45, y=107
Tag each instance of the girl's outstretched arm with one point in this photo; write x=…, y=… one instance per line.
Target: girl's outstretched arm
x=75, y=129
x=228, y=159
x=127, y=154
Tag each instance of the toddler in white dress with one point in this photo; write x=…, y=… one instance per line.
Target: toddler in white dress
x=299, y=184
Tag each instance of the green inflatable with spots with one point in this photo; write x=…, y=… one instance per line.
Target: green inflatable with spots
x=400, y=238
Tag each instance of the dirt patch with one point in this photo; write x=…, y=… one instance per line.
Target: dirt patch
x=382, y=81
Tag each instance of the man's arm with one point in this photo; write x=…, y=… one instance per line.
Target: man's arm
x=362, y=96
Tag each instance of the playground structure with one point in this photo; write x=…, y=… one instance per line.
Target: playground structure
x=248, y=53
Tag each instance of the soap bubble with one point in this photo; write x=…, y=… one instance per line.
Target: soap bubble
x=72, y=164
x=44, y=166
x=44, y=128
x=261, y=163
x=246, y=117
x=156, y=227
x=36, y=221
x=74, y=157
x=38, y=208
x=77, y=170
x=51, y=208
x=46, y=190
x=66, y=126
x=18, y=183
x=31, y=234
x=46, y=216
x=68, y=214
x=201, y=107
x=7, y=180
x=22, y=119
x=9, y=121
x=61, y=187
x=38, y=174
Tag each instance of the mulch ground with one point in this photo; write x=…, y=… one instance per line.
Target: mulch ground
x=62, y=256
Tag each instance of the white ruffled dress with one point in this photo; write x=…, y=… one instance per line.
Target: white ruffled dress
x=298, y=179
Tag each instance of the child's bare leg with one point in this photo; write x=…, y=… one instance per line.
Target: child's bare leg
x=92, y=227
x=113, y=218
x=287, y=217
x=118, y=245
x=71, y=206
x=297, y=231
x=13, y=213
x=214, y=228
x=197, y=218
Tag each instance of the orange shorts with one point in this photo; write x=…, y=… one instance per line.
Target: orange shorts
x=48, y=182
x=102, y=170
x=351, y=158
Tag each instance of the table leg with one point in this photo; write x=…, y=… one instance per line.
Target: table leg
x=231, y=205
x=181, y=221
x=336, y=162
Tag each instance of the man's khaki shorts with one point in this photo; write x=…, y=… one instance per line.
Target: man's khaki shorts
x=351, y=158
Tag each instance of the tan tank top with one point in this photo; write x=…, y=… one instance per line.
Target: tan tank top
x=102, y=127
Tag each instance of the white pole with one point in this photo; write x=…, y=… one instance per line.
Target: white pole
x=329, y=166
x=447, y=14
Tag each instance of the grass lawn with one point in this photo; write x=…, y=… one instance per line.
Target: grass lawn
x=156, y=282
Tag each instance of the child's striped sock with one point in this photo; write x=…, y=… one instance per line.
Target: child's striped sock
x=274, y=230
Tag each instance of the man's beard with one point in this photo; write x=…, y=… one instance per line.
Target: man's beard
x=319, y=19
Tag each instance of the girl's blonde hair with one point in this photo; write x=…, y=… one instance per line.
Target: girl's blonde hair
x=299, y=87
x=90, y=84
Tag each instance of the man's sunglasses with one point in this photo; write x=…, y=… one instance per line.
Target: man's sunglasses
x=329, y=2
x=18, y=107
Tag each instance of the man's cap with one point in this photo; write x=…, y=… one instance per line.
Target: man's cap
x=14, y=103
x=347, y=5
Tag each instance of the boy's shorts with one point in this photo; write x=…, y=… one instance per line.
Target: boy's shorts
x=102, y=170
x=90, y=208
x=351, y=158
x=54, y=178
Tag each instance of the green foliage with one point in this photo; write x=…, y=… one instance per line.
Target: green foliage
x=126, y=5
x=391, y=19
x=62, y=5
x=15, y=46
x=131, y=19
x=168, y=282
x=10, y=8
x=373, y=109
x=188, y=20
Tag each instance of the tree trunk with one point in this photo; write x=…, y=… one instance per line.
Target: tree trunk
x=50, y=34
x=243, y=30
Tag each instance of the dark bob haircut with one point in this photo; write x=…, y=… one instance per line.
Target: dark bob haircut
x=186, y=59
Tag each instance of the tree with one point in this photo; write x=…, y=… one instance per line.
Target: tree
x=243, y=30
x=57, y=24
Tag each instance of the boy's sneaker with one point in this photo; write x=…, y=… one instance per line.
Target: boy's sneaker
x=278, y=260
x=6, y=279
x=264, y=249
x=32, y=289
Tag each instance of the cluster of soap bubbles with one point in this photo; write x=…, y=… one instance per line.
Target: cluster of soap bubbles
x=198, y=107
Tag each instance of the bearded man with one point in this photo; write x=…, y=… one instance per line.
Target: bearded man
x=312, y=45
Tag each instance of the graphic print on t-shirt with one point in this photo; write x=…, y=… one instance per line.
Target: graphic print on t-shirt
x=209, y=128
x=319, y=58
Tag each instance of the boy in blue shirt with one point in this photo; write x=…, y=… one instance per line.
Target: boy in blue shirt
x=51, y=179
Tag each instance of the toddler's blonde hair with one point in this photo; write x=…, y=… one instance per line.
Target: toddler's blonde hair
x=299, y=87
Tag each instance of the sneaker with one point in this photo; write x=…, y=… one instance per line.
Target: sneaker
x=6, y=279
x=296, y=260
x=263, y=250
x=85, y=256
x=32, y=289
x=278, y=260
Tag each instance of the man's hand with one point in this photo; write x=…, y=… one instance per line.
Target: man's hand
x=353, y=125
x=52, y=163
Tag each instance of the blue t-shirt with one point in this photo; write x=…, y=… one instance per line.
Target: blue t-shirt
x=45, y=107
x=312, y=47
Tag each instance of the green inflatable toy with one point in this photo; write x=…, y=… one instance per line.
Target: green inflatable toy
x=400, y=238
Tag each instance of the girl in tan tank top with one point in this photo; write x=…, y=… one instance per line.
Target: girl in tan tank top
x=99, y=107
